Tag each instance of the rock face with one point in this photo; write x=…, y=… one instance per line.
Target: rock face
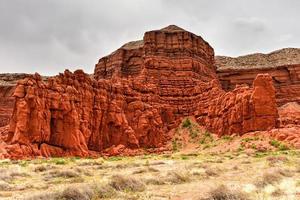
x=6, y=103
x=283, y=65
x=137, y=94
x=244, y=109
x=7, y=87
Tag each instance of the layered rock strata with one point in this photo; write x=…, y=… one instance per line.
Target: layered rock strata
x=137, y=94
x=283, y=66
x=7, y=87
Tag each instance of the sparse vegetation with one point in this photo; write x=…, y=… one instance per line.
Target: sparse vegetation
x=211, y=171
x=278, y=192
x=77, y=193
x=186, y=123
x=40, y=168
x=122, y=183
x=64, y=173
x=155, y=181
x=223, y=193
x=155, y=177
x=59, y=161
x=114, y=158
x=206, y=137
x=105, y=191
x=43, y=196
x=241, y=148
x=269, y=178
x=194, y=133
x=4, y=186
x=279, y=145
x=227, y=137
x=248, y=139
x=178, y=177
x=174, y=145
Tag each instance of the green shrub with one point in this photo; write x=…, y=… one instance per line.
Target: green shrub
x=114, y=158
x=275, y=143
x=207, y=137
x=206, y=146
x=174, y=145
x=58, y=161
x=279, y=145
x=183, y=157
x=193, y=134
x=186, y=123
x=241, y=148
x=283, y=147
x=227, y=137
x=250, y=139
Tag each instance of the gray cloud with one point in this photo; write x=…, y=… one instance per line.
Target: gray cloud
x=250, y=24
x=51, y=35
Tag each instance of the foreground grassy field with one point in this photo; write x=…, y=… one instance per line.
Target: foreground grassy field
x=272, y=175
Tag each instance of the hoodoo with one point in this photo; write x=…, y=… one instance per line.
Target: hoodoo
x=135, y=97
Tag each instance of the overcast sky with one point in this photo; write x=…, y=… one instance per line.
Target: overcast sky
x=49, y=36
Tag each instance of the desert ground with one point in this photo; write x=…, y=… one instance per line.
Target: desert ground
x=231, y=175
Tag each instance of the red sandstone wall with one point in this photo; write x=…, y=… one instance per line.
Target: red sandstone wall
x=139, y=93
x=6, y=104
x=283, y=65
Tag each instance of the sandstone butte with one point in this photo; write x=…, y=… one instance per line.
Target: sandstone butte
x=143, y=90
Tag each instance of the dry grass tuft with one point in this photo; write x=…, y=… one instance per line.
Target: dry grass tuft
x=139, y=171
x=127, y=165
x=19, y=174
x=145, y=170
x=70, y=193
x=273, y=176
x=155, y=181
x=40, y=168
x=90, y=163
x=285, y=172
x=276, y=159
x=5, y=175
x=223, y=193
x=200, y=175
x=175, y=177
x=152, y=169
x=64, y=173
x=105, y=191
x=212, y=171
x=246, y=162
x=122, y=183
x=4, y=186
x=122, y=166
x=278, y=192
x=86, y=172
x=153, y=163
x=9, y=174
x=43, y=196
x=77, y=193
x=235, y=167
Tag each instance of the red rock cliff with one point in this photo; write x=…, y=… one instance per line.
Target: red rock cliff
x=283, y=66
x=7, y=87
x=139, y=93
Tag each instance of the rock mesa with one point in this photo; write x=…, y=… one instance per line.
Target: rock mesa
x=135, y=97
